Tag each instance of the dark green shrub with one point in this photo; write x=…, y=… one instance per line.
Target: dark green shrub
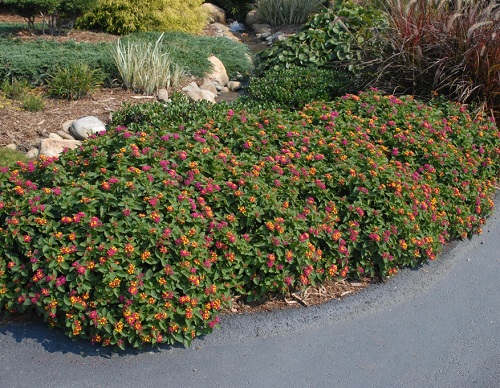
x=296, y=86
x=335, y=38
x=127, y=16
x=74, y=82
x=144, y=232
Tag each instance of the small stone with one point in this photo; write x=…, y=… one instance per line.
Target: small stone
x=209, y=85
x=261, y=28
x=265, y=35
x=12, y=147
x=36, y=143
x=192, y=87
x=32, y=153
x=65, y=135
x=208, y=96
x=234, y=86
x=66, y=125
x=220, y=26
x=162, y=95
x=218, y=73
x=193, y=95
x=55, y=136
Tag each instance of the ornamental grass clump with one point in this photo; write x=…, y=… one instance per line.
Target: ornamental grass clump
x=145, y=67
x=144, y=233
x=448, y=47
x=280, y=12
x=74, y=81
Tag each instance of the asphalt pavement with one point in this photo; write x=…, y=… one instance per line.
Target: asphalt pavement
x=436, y=326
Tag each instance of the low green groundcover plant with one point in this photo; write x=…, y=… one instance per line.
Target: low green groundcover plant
x=31, y=62
x=295, y=86
x=146, y=231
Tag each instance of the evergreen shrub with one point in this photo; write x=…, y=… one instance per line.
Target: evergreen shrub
x=296, y=86
x=126, y=16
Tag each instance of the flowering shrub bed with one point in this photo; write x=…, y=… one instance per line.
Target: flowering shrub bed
x=142, y=234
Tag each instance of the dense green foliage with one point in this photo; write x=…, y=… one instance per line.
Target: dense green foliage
x=34, y=60
x=336, y=38
x=127, y=16
x=143, y=233
x=412, y=47
x=296, y=86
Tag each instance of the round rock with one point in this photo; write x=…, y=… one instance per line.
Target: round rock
x=86, y=126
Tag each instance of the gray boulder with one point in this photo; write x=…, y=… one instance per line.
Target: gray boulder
x=86, y=126
x=252, y=18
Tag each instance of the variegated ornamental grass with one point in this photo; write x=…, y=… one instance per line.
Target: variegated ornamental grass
x=145, y=232
x=286, y=12
x=145, y=67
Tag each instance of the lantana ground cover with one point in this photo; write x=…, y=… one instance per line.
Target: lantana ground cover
x=144, y=233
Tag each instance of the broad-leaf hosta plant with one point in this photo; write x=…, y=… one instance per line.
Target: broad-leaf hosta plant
x=145, y=232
